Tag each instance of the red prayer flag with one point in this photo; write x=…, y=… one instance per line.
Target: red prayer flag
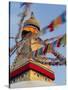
x=58, y=42
x=51, y=27
x=45, y=49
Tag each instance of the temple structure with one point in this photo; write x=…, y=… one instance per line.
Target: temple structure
x=25, y=67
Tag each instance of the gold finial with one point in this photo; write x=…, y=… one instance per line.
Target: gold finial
x=32, y=15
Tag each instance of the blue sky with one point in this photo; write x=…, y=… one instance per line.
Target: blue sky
x=44, y=13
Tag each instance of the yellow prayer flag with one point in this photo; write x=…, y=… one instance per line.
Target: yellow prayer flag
x=57, y=21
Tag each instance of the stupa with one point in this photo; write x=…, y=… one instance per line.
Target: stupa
x=24, y=67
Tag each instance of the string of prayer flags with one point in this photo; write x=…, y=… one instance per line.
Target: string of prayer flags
x=48, y=47
x=60, y=41
x=59, y=20
x=58, y=56
x=55, y=23
x=43, y=50
x=37, y=52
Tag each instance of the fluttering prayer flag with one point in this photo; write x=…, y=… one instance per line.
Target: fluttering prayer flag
x=63, y=40
x=59, y=20
x=54, y=43
x=55, y=23
x=49, y=49
x=58, y=42
x=51, y=27
x=40, y=51
x=37, y=52
x=45, y=49
x=63, y=16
